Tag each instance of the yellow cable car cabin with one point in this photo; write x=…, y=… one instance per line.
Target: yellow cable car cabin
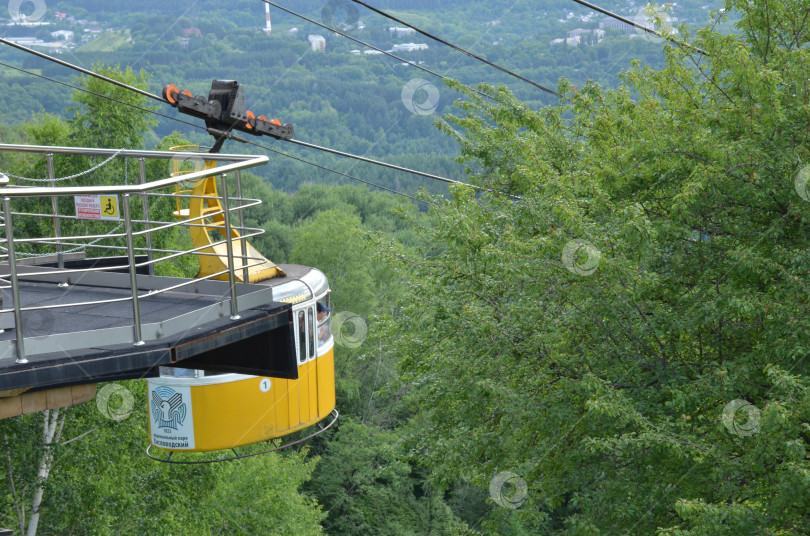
x=197, y=410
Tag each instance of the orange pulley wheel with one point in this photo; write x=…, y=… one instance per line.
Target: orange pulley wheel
x=276, y=122
x=187, y=93
x=251, y=119
x=168, y=93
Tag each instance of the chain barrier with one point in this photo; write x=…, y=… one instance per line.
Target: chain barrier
x=97, y=240
x=59, y=179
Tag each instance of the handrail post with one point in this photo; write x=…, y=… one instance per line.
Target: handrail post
x=145, y=203
x=133, y=274
x=243, y=240
x=57, y=226
x=229, y=247
x=15, y=286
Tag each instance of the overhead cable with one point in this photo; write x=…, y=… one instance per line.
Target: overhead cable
x=298, y=142
x=347, y=36
x=82, y=70
x=288, y=155
x=77, y=88
x=282, y=153
x=459, y=49
x=381, y=163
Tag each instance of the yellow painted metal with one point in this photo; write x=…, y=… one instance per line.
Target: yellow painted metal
x=298, y=298
x=326, y=384
x=204, y=202
x=183, y=166
x=231, y=414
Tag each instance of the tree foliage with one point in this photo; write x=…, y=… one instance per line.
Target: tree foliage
x=637, y=264
x=99, y=122
x=102, y=483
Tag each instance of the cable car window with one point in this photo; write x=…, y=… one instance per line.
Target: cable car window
x=302, y=338
x=324, y=314
x=311, y=332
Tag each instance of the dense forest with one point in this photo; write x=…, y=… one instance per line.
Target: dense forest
x=602, y=335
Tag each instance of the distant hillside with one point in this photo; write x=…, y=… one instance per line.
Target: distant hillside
x=340, y=97
x=107, y=42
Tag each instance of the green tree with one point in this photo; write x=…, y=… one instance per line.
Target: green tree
x=368, y=487
x=331, y=241
x=102, y=483
x=99, y=122
x=633, y=277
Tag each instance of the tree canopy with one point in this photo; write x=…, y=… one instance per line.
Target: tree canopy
x=620, y=319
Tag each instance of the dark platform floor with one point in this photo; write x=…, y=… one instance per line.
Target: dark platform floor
x=95, y=342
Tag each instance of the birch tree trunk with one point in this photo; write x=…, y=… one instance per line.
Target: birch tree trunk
x=51, y=430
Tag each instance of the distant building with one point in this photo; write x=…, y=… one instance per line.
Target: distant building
x=356, y=52
x=65, y=35
x=410, y=47
x=22, y=21
x=577, y=31
x=26, y=41
x=317, y=42
x=608, y=22
x=188, y=32
x=572, y=41
x=60, y=15
x=399, y=32
x=372, y=52
x=587, y=36
x=293, y=31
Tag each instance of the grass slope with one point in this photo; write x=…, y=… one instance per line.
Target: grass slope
x=107, y=42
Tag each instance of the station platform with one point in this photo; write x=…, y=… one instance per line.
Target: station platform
x=93, y=340
x=79, y=301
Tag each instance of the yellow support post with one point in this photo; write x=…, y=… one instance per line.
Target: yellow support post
x=205, y=202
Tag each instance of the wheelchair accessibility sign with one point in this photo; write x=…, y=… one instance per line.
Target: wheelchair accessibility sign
x=97, y=207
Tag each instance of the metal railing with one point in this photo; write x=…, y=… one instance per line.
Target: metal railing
x=15, y=247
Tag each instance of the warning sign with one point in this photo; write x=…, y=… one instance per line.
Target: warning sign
x=97, y=207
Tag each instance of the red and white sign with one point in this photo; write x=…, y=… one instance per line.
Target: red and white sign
x=96, y=207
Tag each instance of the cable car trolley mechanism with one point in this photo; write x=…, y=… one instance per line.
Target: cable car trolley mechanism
x=225, y=110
